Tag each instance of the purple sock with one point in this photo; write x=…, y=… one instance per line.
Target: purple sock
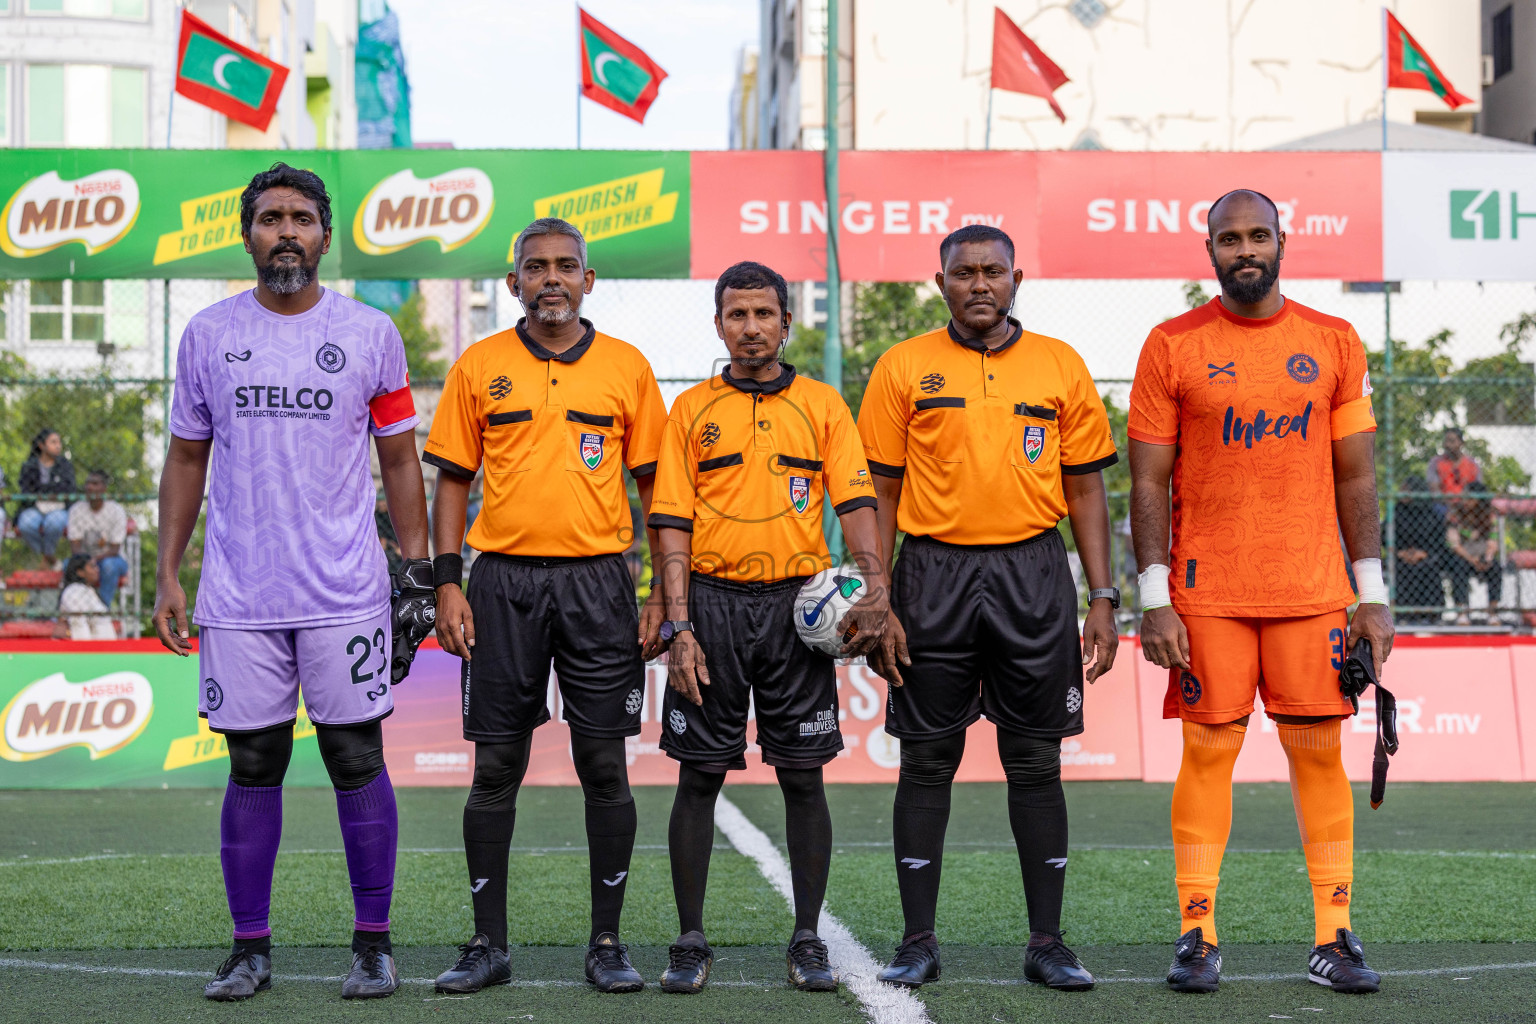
x=370, y=831
x=250, y=828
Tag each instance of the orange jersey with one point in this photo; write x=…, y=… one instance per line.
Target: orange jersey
x=1253, y=406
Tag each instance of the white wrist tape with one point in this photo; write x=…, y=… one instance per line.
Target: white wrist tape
x=1153, y=586
x=1371, y=587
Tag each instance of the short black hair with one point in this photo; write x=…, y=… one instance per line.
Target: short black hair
x=280, y=175
x=749, y=276
x=1454, y=430
x=103, y=474
x=974, y=233
x=1211, y=231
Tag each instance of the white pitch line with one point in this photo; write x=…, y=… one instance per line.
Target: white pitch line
x=885, y=1004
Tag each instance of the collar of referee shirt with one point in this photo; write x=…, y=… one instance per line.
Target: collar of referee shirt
x=785, y=378
x=977, y=345
x=570, y=355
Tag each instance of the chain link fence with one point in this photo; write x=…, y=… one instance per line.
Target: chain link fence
x=94, y=361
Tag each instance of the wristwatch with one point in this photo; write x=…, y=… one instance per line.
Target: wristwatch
x=672, y=628
x=1113, y=593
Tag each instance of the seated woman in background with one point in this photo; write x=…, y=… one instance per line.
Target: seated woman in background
x=41, y=520
x=1474, y=550
x=82, y=615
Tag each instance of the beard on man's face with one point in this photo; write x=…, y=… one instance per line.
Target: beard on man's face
x=1248, y=290
x=556, y=316
x=287, y=277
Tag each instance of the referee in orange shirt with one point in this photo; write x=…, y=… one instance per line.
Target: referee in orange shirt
x=550, y=409
x=982, y=436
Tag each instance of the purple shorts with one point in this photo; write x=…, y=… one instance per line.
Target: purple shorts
x=252, y=677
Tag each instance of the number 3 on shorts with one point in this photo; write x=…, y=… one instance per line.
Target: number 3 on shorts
x=1335, y=638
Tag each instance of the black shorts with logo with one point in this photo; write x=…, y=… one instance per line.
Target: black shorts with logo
x=991, y=630
x=579, y=612
x=753, y=654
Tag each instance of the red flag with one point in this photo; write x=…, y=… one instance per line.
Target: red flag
x=1409, y=66
x=615, y=72
x=1018, y=65
x=218, y=72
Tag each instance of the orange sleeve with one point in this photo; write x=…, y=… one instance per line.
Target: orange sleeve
x=1154, y=413
x=454, y=445
x=642, y=436
x=845, y=472
x=883, y=417
x=1352, y=411
x=672, y=501
x=1087, y=445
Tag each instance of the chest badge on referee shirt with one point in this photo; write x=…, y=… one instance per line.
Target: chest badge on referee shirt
x=592, y=450
x=1034, y=443
x=800, y=492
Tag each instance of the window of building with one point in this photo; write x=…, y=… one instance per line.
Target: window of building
x=1503, y=42
x=85, y=105
x=66, y=311
x=5, y=100
x=45, y=105
x=133, y=10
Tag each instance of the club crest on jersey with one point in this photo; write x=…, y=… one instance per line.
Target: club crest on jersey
x=1190, y=687
x=500, y=388
x=931, y=383
x=709, y=435
x=330, y=358
x=800, y=492
x=1302, y=368
x=592, y=450
x=1034, y=443
x=213, y=693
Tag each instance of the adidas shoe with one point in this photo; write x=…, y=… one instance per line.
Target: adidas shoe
x=688, y=964
x=608, y=966
x=1340, y=965
x=1056, y=966
x=373, y=975
x=916, y=962
x=479, y=964
x=809, y=968
x=1196, y=964
x=241, y=976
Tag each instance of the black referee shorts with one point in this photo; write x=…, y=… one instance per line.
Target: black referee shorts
x=992, y=630
x=756, y=661
x=579, y=612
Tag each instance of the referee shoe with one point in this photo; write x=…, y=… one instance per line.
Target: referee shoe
x=688, y=963
x=608, y=966
x=1340, y=965
x=1055, y=966
x=1196, y=964
x=916, y=962
x=479, y=964
x=810, y=969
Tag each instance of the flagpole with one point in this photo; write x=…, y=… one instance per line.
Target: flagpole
x=579, y=73
x=1384, y=78
x=170, y=107
x=988, y=143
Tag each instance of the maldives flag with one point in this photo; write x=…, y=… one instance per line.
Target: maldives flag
x=1018, y=65
x=615, y=72
x=218, y=72
x=1409, y=66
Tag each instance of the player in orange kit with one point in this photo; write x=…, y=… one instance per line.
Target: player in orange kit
x=1257, y=410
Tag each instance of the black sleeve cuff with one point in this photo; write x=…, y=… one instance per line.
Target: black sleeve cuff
x=865, y=501
x=646, y=469
x=881, y=469
x=448, y=466
x=1091, y=467
x=662, y=521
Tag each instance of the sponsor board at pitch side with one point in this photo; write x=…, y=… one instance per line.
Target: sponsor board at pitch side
x=1468, y=219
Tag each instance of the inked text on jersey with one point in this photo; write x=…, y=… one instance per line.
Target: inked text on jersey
x=1261, y=426
x=277, y=400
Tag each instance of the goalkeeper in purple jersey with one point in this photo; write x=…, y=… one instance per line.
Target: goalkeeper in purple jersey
x=280, y=388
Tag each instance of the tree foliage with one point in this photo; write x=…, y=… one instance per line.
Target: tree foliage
x=420, y=340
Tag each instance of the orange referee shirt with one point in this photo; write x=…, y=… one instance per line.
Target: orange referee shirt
x=551, y=431
x=982, y=437
x=1253, y=406
x=744, y=466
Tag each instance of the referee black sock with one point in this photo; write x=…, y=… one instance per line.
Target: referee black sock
x=690, y=840
x=489, y=815
x=1037, y=811
x=808, y=831
x=601, y=766
x=920, y=818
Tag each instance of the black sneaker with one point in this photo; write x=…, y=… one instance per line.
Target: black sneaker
x=809, y=968
x=916, y=962
x=480, y=964
x=1196, y=964
x=688, y=964
x=373, y=975
x=1340, y=965
x=608, y=966
x=1056, y=966
x=241, y=976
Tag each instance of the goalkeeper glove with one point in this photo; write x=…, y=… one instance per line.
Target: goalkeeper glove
x=413, y=610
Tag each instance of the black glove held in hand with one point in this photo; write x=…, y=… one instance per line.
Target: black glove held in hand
x=413, y=610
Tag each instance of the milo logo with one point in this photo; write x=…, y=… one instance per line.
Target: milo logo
x=103, y=715
x=403, y=209
x=49, y=211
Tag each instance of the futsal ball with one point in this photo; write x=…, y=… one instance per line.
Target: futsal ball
x=823, y=601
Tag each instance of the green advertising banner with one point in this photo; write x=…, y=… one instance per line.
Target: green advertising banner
x=86, y=721
x=101, y=213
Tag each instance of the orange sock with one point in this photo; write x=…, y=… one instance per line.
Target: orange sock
x=1325, y=813
x=1202, y=819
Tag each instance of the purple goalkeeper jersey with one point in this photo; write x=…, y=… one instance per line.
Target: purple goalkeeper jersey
x=290, y=402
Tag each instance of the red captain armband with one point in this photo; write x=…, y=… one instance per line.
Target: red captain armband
x=395, y=407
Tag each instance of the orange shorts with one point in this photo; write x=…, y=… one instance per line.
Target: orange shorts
x=1293, y=663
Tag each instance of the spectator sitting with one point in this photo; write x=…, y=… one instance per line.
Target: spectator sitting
x=82, y=616
x=97, y=527
x=1421, y=558
x=42, y=521
x=1474, y=550
x=1452, y=471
